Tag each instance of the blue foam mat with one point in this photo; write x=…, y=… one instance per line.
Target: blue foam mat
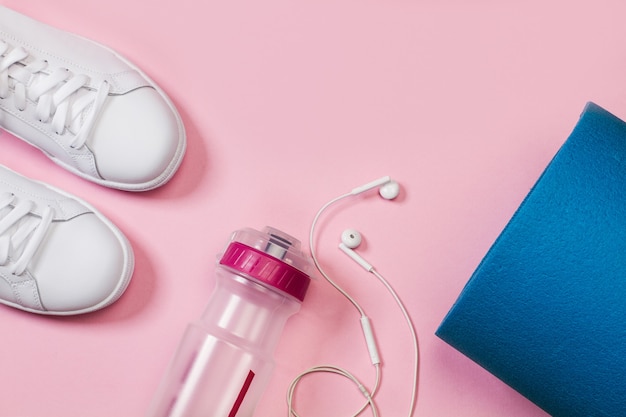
x=545, y=311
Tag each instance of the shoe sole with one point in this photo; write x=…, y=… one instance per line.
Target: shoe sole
x=127, y=272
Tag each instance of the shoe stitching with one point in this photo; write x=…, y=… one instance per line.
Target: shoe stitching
x=34, y=292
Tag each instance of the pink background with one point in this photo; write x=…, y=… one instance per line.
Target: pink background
x=288, y=104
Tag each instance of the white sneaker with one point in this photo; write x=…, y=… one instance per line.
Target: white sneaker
x=58, y=255
x=90, y=110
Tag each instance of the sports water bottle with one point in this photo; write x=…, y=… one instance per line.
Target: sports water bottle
x=225, y=359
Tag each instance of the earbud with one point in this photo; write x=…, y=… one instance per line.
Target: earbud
x=351, y=239
x=389, y=190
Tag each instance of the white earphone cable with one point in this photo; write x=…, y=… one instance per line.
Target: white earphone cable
x=314, y=252
x=407, y=318
x=369, y=395
x=342, y=372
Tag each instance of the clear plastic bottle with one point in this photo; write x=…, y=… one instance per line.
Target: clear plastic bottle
x=225, y=359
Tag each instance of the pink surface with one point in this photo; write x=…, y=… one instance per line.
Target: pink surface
x=288, y=104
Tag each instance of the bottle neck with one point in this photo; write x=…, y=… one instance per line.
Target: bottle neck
x=247, y=312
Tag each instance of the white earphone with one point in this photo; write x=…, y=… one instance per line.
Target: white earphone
x=350, y=240
x=389, y=189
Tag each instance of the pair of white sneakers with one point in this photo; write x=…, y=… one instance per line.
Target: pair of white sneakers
x=97, y=115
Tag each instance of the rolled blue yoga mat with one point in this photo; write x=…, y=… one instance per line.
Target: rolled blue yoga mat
x=545, y=311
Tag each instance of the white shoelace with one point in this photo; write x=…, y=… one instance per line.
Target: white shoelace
x=63, y=98
x=21, y=231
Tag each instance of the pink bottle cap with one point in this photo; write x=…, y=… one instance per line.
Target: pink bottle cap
x=269, y=258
